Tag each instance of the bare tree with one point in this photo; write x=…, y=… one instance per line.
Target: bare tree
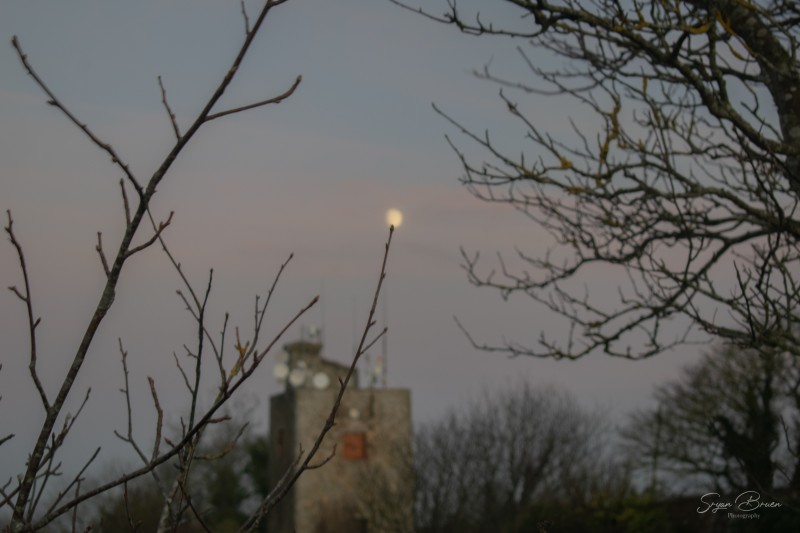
x=481, y=468
x=28, y=497
x=730, y=422
x=686, y=182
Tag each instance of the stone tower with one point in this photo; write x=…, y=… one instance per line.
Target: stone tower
x=367, y=485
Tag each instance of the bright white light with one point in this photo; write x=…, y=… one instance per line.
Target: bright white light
x=394, y=217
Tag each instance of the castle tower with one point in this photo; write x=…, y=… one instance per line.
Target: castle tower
x=367, y=484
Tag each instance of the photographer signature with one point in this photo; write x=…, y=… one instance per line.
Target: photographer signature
x=747, y=502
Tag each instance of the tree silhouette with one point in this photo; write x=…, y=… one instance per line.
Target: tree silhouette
x=730, y=422
x=684, y=185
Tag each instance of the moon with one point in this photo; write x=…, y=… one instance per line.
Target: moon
x=394, y=217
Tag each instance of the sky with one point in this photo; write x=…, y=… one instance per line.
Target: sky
x=312, y=176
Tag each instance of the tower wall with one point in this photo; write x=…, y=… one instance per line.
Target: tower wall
x=366, y=485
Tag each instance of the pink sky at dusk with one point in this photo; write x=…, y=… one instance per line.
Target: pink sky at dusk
x=312, y=176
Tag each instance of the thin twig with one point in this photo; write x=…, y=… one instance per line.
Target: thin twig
x=194, y=510
x=161, y=227
x=133, y=527
x=186, y=284
x=223, y=380
x=129, y=438
x=160, y=420
x=182, y=372
x=229, y=447
x=172, y=118
x=75, y=481
x=200, y=344
x=275, y=100
x=280, y=488
x=125, y=202
x=262, y=313
x=245, y=17
x=57, y=103
x=32, y=323
x=99, y=249
x=75, y=510
x=283, y=488
x=324, y=461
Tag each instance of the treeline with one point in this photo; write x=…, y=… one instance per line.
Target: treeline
x=531, y=459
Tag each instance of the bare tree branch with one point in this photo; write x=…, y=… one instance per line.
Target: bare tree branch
x=689, y=164
x=168, y=109
x=40, y=465
x=99, y=249
x=83, y=127
x=32, y=323
x=303, y=463
x=159, y=421
x=161, y=227
x=274, y=100
x=125, y=202
x=245, y=17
